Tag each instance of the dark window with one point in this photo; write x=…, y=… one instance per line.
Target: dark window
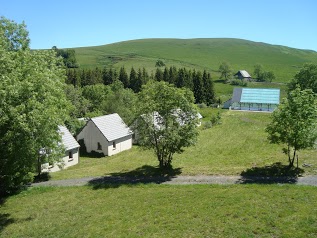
x=114, y=145
x=99, y=146
x=70, y=155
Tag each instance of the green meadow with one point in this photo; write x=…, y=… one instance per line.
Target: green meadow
x=238, y=144
x=162, y=211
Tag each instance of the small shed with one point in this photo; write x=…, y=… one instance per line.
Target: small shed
x=254, y=99
x=71, y=156
x=106, y=134
x=243, y=74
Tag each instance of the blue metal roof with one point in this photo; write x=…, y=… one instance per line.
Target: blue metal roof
x=260, y=95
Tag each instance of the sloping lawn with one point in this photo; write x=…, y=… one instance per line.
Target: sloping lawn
x=238, y=144
x=162, y=211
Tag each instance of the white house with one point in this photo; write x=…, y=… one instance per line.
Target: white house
x=71, y=156
x=106, y=134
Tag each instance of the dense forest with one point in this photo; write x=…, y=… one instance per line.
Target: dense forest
x=199, y=82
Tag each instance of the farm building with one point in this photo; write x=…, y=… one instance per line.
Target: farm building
x=71, y=156
x=106, y=134
x=254, y=99
x=243, y=74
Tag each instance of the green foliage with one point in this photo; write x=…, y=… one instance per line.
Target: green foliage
x=32, y=105
x=68, y=55
x=306, y=78
x=294, y=123
x=216, y=119
x=15, y=36
x=159, y=63
x=261, y=75
x=258, y=70
x=239, y=82
x=225, y=70
x=166, y=121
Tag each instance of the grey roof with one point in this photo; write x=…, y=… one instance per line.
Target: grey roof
x=112, y=126
x=67, y=138
x=244, y=73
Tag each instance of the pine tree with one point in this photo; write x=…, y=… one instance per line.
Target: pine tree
x=123, y=77
x=158, y=75
x=208, y=86
x=198, y=87
x=166, y=75
x=133, y=78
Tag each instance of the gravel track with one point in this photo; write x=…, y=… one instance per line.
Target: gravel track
x=178, y=180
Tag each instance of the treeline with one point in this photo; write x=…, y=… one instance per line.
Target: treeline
x=199, y=82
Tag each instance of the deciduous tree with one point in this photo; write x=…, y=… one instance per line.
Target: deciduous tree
x=32, y=105
x=294, y=123
x=167, y=120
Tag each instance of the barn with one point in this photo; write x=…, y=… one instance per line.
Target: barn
x=254, y=99
x=243, y=74
x=106, y=134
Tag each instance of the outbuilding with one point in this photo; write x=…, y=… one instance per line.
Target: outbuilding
x=106, y=134
x=254, y=99
x=71, y=156
x=243, y=75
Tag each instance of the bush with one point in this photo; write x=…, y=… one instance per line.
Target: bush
x=216, y=120
x=239, y=82
x=207, y=125
x=159, y=63
x=201, y=105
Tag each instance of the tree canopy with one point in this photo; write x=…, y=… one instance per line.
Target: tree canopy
x=294, y=123
x=306, y=78
x=32, y=105
x=167, y=120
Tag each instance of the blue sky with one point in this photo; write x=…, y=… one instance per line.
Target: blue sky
x=75, y=23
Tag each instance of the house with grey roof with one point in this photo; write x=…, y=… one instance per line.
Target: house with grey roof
x=106, y=134
x=71, y=156
x=254, y=99
x=243, y=75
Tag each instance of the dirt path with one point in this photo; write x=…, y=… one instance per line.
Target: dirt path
x=178, y=180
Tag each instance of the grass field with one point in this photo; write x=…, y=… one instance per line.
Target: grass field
x=162, y=211
x=198, y=53
x=238, y=144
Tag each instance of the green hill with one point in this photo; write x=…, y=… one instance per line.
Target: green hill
x=198, y=53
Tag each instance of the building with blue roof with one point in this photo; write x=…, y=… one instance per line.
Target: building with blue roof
x=254, y=99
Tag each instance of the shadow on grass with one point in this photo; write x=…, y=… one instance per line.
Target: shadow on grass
x=142, y=175
x=5, y=218
x=45, y=176
x=270, y=174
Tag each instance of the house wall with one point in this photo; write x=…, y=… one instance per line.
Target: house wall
x=92, y=136
x=124, y=143
x=66, y=161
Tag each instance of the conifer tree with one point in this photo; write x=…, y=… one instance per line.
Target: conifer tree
x=123, y=77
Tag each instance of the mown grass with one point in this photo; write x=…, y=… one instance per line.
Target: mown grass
x=162, y=211
x=238, y=144
x=197, y=53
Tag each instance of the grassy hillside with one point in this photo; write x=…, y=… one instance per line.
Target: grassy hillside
x=198, y=53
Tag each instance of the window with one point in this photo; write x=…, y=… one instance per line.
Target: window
x=114, y=145
x=70, y=156
x=99, y=146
